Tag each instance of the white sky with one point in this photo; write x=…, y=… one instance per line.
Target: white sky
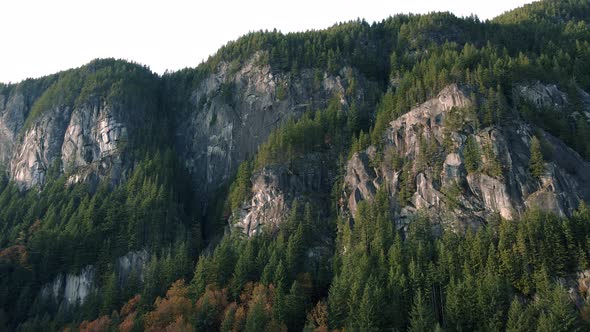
x=40, y=37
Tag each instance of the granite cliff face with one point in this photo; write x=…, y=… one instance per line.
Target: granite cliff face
x=12, y=117
x=72, y=289
x=15, y=104
x=437, y=177
x=233, y=112
x=86, y=143
x=429, y=145
x=275, y=188
x=85, y=140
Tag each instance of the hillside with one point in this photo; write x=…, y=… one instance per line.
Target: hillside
x=419, y=173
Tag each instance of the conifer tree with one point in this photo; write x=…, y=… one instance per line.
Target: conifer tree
x=421, y=317
x=519, y=317
x=536, y=163
x=472, y=155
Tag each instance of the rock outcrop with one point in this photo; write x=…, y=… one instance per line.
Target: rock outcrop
x=74, y=288
x=71, y=289
x=275, y=188
x=86, y=143
x=233, y=112
x=12, y=117
x=434, y=155
x=541, y=95
x=133, y=264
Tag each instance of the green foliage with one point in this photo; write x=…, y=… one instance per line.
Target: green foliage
x=492, y=165
x=240, y=188
x=458, y=118
x=536, y=162
x=281, y=92
x=560, y=313
x=421, y=317
x=407, y=184
x=105, y=80
x=313, y=132
x=64, y=228
x=452, y=192
x=465, y=282
x=376, y=274
x=428, y=153
x=472, y=155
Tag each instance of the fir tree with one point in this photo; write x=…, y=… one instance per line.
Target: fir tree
x=421, y=317
x=536, y=163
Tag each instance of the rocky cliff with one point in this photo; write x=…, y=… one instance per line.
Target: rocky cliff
x=15, y=104
x=77, y=124
x=75, y=288
x=275, y=188
x=429, y=152
x=85, y=141
x=232, y=111
x=12, y=117
x=421, y=163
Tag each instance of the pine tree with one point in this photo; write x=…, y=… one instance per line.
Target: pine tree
x=295, y=251
x=110, y=293
x=536, y=163
x=337, y=310
x=519, y=317
x=257, y=318
x=421, y=317
x=199, y=281
x=367, y=311
x=472, y=155
x=561, y=314
x=295, y=307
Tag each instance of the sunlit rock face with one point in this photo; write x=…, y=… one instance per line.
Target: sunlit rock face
x=87, y=143
x=479, y=195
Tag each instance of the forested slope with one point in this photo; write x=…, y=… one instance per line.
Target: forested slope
x=419, y=173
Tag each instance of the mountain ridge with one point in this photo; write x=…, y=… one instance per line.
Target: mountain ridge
x=422, y=172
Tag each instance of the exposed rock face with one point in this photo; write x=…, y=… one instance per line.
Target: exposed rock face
x=12, y=116
x=84, y=142
x=541, y=95
x=233, y=113
x=267, y=207
x=476, y=195
x=362, y=178
x=133, y=263
x=73, y=289
x=39, y=148
x=276, y=187
x=70, y=289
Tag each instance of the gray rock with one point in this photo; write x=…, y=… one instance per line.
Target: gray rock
x=71, y=289
x=274, y=189
x=74, y=288
x=560, y=190
x=86, y=143
x=541, y=95
x=220, y=132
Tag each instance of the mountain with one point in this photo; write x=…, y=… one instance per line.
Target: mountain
x=423, y=172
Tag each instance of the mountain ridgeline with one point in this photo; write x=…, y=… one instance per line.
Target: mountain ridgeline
x=425, y=172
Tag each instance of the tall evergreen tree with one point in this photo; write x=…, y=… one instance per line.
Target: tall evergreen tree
x=536, y=163
x=421, y=317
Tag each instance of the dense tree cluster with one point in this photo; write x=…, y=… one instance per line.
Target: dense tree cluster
x=386, y=279
x=65, y=228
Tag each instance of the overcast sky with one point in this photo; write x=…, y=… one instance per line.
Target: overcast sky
x=40, y=37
